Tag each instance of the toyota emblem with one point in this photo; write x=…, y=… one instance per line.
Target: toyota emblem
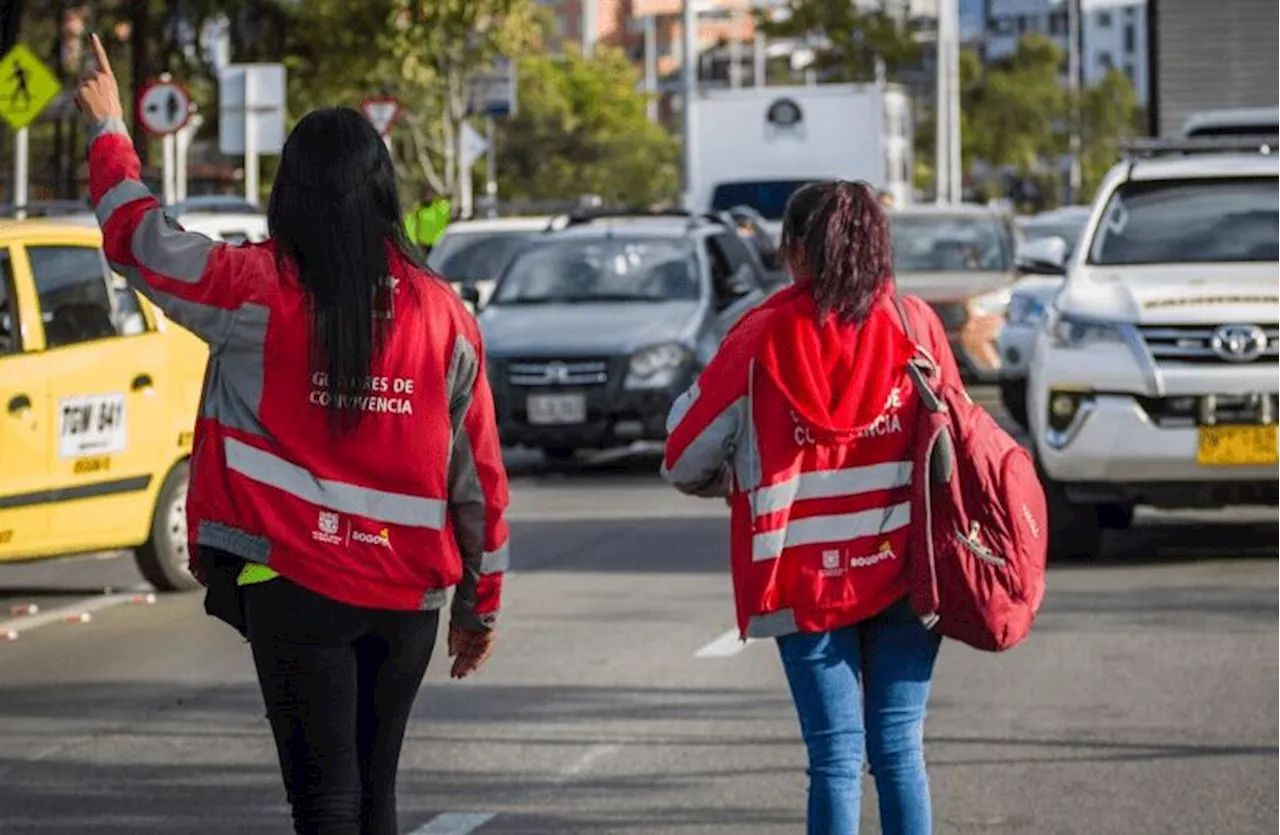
x=1239, y=343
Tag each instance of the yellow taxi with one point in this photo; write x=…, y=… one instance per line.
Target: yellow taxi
x=98, y=397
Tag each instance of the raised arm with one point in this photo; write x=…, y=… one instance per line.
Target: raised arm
x=198, y=283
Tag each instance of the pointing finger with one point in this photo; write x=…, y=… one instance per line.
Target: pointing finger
x=100, y=53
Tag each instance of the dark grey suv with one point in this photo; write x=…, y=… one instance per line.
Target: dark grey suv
x=599, y=323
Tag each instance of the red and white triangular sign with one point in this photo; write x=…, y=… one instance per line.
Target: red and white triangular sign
x=382, y=112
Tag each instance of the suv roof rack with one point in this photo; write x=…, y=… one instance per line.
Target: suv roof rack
x=1151, y=148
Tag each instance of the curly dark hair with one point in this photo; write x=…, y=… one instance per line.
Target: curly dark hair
x=836, y=236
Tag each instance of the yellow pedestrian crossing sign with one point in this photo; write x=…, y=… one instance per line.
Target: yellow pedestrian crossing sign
x=27, y=87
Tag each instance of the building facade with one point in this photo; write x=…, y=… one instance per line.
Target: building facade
x=1113, y=34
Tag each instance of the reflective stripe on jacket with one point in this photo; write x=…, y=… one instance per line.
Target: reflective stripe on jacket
x=813, y=422
x=408, y=504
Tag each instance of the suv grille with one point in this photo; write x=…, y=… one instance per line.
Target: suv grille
x=557, y=372
x=1194, y=343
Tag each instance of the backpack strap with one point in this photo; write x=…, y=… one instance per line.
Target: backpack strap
x=902, y=317
x=923, y=368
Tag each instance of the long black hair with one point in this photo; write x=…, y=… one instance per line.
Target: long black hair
x=335, y=217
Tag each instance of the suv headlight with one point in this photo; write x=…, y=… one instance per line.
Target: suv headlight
x=1070, y=331
x=657, y=366
x=994, y=303
x=1025, y=310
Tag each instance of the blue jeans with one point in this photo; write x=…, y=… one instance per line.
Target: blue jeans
x=865, y=684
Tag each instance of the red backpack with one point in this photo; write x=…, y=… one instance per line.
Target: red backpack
x=976, y=561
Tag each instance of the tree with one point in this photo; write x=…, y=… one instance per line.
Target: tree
x=423, y=52
x=852, y=38
x=1109, y=113
x=1018, y=110
x=582, y=129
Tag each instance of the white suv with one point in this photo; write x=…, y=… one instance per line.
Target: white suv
x=1154, y=379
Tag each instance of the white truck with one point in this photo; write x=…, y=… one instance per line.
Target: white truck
x=757, y=145
x=1153, y=379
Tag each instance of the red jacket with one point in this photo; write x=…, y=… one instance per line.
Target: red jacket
x=813, y=421
x=389, y=516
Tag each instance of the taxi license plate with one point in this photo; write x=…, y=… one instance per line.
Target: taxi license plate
x=557, y=409
x=1226, y=446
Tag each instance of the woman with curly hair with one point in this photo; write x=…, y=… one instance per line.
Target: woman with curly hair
x=803, y=421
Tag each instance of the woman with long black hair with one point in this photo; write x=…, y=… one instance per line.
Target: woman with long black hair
x=346, y=470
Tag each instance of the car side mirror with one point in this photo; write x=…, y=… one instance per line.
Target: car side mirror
x=1045, y=256
x=471, y=295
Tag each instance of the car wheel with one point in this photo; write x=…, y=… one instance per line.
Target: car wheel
x=1075, y=530
x=1115, y=517
x=558, y=454
x=1013, y=396
x=162, y=559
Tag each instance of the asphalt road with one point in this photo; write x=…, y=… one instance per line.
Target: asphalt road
x=1145, y=701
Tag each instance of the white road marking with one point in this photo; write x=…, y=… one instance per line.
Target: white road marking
x=726, y=646
x=26, y=623
x=454, y=823
x=588, y=759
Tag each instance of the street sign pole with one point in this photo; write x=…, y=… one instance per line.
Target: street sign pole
x=183, y=139
x=250, y=142
x=27, y=87
x=168, y=188
x=21, y=160
x=465, y=198
x=491, y=167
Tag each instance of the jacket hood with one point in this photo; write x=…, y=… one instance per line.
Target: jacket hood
x=837, y=378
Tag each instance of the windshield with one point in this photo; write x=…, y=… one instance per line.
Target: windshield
x=945, y=244
x=1190, y=221
x=768, y=197
x=628, y=269
x=475, y=256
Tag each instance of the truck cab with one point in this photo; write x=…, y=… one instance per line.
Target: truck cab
x=757, y=145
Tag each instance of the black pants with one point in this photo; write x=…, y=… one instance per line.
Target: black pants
x=339, y=683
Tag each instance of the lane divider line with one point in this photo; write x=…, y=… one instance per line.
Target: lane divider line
x=74, y=611
x=726, y=646
x=454, y=823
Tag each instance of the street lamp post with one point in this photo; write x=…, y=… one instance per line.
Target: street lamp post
x=689, y=98
x=1073, y=86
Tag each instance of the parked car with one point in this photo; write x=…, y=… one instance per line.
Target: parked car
x=213, y=204
x=1153, y=381
x=1029, y=298
x=959, y=259
x=1066, y=222
x=751, y=226
x=472, y=253
x=600, y=322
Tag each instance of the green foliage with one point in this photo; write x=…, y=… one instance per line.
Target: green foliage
x=855, y=37
x=1016, y=116
x=582, y=129
x=420, y=51
x=1109, y=113
x=1017, y=111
